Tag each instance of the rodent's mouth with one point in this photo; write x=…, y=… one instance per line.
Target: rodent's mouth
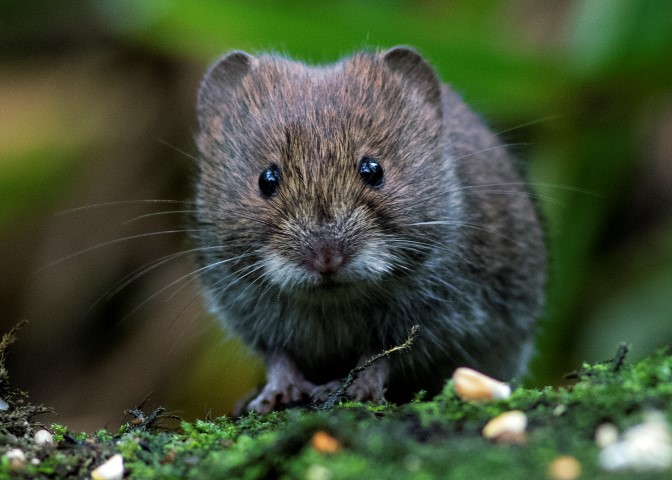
x=327, y=282
x=330, y=284
x=324, y=293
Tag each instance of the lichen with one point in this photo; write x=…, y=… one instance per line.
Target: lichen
x=16, y=412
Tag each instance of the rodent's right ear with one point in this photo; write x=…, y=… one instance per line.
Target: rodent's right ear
x=415, y=70
x=221, y=79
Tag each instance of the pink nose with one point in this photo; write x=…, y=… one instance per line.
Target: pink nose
x=327, y=259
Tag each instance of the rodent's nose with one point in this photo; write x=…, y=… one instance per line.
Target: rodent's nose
x=326, y=259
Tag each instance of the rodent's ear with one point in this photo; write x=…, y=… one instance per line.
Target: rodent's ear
x=414, y=69
x=221, y=78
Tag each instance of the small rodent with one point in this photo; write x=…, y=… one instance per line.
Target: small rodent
x=339, y=205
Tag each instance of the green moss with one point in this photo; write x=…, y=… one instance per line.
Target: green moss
x=420, y=440
x=103, y=435
x=58, y=431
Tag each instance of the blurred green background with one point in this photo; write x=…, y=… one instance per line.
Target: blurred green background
x=96, y=111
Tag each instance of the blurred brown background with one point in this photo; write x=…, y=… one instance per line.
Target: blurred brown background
x=97, y=116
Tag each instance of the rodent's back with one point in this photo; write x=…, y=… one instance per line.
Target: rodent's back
x=504, y=239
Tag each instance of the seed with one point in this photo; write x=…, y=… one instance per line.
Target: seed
x=318, y=472
x=113, y=469
x=508, y=427
x=606, y=434
x=170, y=456
x=647, y=446
x=472, y=385
x=43, y=438
x=564, y=467
x=325, y=443
x=16, y=458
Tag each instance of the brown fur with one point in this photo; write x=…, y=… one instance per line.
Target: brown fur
x=450, y=241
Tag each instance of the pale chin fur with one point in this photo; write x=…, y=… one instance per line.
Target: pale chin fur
x=372, y=262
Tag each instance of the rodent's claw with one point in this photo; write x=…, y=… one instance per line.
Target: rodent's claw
x=285, y=386
x=368, y=387
x=366, y=391
x=275, y=396
x=321, y=392
x=359, y=391
x=370, y=384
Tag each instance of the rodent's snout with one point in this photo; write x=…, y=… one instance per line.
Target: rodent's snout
x=326, y=258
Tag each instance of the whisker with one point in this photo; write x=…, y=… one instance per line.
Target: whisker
x=249, y=284
x=143, y=270
x=186, y=154
x=482, y=228
x=256, y=267
x=148, y=267
x=514, y=193
x=439, y=246
x=155, y=214
x=158, y=292
x=122, y=202
x=194, y=274
x=189, y=324
x=269, y=284
x=527, y=124
x=195, y=277
x=456, y=223
x=234, y=274
x=529, y=184
x=496, y=147
x=113, y=242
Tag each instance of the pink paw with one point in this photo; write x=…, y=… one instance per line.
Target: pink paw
x=361, y=390
x=321, y=392
x=274, y=397
x=366, y=391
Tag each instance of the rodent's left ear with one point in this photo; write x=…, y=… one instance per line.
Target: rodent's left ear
x=414, y=69
x=221, y=79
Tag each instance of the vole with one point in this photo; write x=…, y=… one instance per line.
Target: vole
x=337, y=206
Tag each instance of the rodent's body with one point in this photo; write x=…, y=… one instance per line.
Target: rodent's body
x=384, y=203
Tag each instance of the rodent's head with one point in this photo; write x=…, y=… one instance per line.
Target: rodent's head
x=314, y=175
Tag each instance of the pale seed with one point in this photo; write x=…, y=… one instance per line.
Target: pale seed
x=16, y=458
x=606, y=434
x=564, y=467
x=472, y=385
x=113, y=469
x=645, y=447
x=43, y=438
x=508, y=427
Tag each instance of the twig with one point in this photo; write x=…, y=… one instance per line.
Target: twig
x=145, y=421
x=619, y=358
x=616, y=364
x=341, y=394
x=7, y=339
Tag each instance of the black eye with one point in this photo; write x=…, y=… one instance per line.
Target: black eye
x=371, y=172
x=269, y=180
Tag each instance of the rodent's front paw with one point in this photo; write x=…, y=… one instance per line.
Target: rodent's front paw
x=369, y=386
x=321, y=392
x=274, y=396
x=366, y=390
x=363, y=389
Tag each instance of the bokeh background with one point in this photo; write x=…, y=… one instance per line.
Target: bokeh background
x=97, y=115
